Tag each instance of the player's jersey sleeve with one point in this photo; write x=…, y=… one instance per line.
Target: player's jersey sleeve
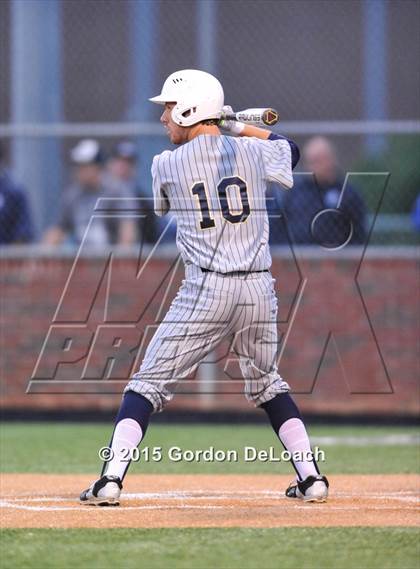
x=277, y=160
x=160, y=197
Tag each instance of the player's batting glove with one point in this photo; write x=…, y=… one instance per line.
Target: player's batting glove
x=234, y=127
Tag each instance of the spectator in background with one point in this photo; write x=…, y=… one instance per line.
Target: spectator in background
x=316, y=193
x=415, y=214
x=80, y=199
x=15, y=219
x=122, y=167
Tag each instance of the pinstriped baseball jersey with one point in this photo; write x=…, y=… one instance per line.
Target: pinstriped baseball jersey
x=215, y=186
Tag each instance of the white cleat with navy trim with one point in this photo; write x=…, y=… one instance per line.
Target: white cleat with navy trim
x=104, y=492
x=312, y=489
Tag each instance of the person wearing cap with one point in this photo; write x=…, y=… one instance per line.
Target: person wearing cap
x=122, y=167
x=81, y=197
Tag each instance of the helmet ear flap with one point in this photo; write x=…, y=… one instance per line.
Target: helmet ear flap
x=175, y=115
x=183, y=116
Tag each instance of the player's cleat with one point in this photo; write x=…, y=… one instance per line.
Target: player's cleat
x=104, y=492
x=312, y=489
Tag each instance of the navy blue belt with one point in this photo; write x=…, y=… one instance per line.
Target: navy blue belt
x=233, y=273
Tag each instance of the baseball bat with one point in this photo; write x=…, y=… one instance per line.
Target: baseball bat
x=268, y=117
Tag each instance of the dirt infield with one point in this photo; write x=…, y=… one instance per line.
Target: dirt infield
x=37, y=500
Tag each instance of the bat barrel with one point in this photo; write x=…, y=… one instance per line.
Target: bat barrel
x=268, y=117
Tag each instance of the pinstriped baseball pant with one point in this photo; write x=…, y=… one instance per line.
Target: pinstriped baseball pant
x=209, y=308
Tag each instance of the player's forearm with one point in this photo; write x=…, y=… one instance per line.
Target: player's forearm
x=256, y=131
x=241, y=129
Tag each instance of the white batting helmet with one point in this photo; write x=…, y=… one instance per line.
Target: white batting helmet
x=197, y=94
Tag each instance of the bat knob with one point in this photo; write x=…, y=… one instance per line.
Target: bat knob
x=270, y=117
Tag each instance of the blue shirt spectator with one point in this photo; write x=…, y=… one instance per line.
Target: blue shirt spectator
x=416, y=214
x=312, y=210
x=15, y=218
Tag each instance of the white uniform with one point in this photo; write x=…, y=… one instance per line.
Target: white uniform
x=215, y=186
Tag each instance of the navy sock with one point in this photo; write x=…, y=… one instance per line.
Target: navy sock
x=280, y=409
x=134, y=406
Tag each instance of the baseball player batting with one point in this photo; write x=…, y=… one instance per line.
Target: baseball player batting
x=215, y=185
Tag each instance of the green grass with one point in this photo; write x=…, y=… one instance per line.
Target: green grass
x=73, y=448
x=230, y=548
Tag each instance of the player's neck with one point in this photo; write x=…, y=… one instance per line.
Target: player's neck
x=198, y=129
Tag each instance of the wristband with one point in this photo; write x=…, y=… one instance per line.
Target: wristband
x=232, y=126
x=237, y=127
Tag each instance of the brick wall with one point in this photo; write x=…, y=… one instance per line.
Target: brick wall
x=349, y=331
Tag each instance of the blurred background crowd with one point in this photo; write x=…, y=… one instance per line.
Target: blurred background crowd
x=76, y=123
x=115, y=178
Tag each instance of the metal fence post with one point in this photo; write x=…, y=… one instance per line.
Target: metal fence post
x=375, y=70
x=36, y=99
x=144, y=52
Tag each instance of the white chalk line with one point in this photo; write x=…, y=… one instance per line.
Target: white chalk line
x=367, y=440
x=322, y=506
x=404, y=497
x=170, y=495
x=90, y=508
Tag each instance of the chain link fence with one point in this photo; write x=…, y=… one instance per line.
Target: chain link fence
x=344, y=70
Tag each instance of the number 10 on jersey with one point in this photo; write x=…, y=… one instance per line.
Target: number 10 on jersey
x=223, y=187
